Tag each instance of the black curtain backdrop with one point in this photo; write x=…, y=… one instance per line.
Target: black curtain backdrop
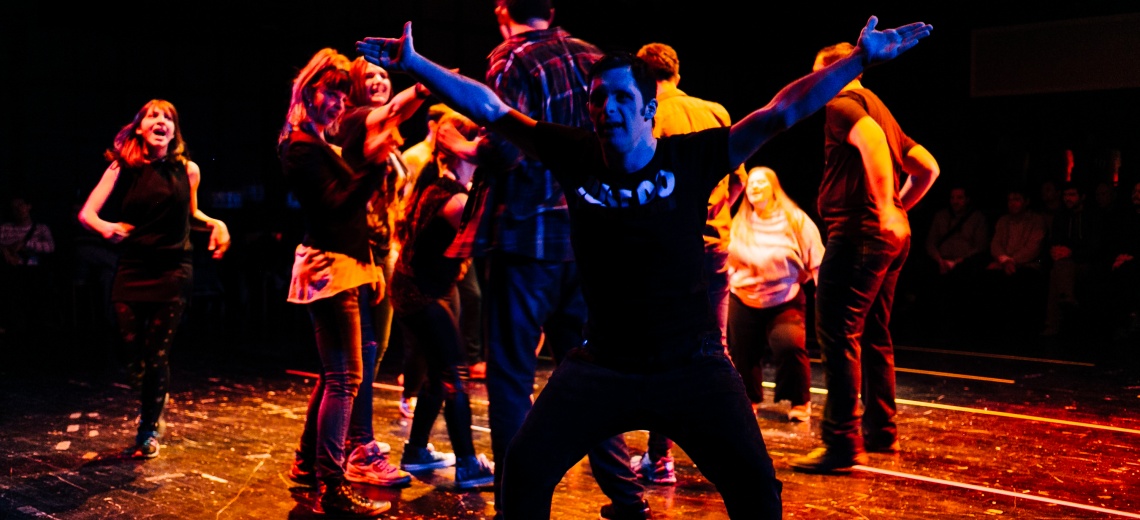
x=75, y=75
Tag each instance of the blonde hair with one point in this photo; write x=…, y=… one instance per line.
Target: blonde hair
x=740, y=232
x=327, y=68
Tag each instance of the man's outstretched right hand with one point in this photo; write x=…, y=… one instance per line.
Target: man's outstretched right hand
x=389, y=53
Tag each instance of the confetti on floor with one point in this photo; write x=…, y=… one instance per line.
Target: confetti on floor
x=164, y=476
x=219, y=480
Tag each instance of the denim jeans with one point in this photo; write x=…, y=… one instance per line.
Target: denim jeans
x=856, y=291
x=775, y=334
x=336, y=323
x=525, y=298
x=471, y=314
x=375, y=331
x=701, y=405
x=434, y=335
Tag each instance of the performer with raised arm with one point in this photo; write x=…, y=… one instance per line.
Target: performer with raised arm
x=863, y=199
x=638, y=205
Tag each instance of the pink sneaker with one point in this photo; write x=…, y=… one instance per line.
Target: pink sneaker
x=367, y=465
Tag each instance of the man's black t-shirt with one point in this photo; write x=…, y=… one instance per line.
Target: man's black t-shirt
x=844, y=200
x=637, y=238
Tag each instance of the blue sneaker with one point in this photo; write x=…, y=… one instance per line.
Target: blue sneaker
x=425, y=458
x=146, y=447
x=473, y=472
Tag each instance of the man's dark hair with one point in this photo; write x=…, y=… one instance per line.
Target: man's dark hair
x=642, y=75
x=1080, y=187
x=523, y=10
x=1019, y=189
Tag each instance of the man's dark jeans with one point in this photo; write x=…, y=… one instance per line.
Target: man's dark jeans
x=526, y=298
x=701, y=405
x=856, y=291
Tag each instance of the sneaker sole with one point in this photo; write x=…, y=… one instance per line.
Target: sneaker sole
x=428, y=466
x=400, y=482
x=301, y=482
x=317, y=509
x=475, y=483
x=840, y=470
x=823, y=471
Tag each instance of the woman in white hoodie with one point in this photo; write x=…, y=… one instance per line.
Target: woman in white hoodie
x=774, y=249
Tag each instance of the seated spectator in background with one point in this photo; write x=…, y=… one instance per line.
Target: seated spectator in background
x=1104, y=198
x=956, y=242
x=25, y=245
x=24, y=242
x=1124, y=274
x=1049, y=195
x=1018, y=236
x=1015, y=275
x=959, y=233
x=1075, y=249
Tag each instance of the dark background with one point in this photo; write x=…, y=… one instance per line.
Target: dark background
x=75, y=75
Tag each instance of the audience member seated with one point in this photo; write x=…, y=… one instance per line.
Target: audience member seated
x=26, y=281
x=1049, y=201
x=1076, y=247
x=1014, y=280
x=1124, y=276
x=957, y=243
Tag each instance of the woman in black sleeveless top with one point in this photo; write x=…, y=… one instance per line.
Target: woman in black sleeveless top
x=157, y=183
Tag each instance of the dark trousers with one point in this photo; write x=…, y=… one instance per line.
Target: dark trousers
x=856, y=290
x=375, y=331
x=715, y=268
x=525, y=298
x=433, y=334
x=147, y=330
x=360, y=429
x=775, y=334
x=471, y=314
x=336, y=323
x=702, y=406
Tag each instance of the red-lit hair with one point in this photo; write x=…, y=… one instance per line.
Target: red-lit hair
x=129, y=147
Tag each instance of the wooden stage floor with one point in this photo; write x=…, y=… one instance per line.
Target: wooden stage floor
x=983, y=435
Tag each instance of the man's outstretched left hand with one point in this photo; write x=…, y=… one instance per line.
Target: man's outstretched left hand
x=879, y=46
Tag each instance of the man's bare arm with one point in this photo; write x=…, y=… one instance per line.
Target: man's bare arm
x=467, y=96
x=809, y=93
x=922, y=170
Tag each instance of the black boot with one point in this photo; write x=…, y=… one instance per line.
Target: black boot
x=340, y=499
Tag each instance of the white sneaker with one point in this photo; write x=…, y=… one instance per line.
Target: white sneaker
x=408, y=407
x=800, y=413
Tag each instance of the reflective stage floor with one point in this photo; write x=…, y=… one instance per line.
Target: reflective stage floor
x=983, y=435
